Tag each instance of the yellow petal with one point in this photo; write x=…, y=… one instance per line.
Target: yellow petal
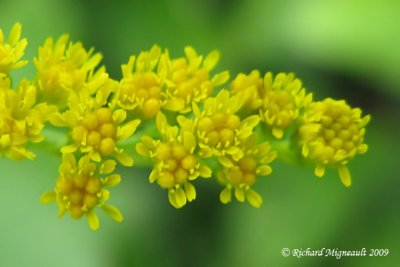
x=277, y=132
x=127, y=130
x=225, y=196
x=172, y=198
x=48, y=197
x=174, y=104
x=189, y=141
x=119, y=116
x=220, y=78
x=112, y=180
x=239, y=194
x=263, y=170
x=124, y=159
x=345, y=176
x=211, y=60
x=190, y=191
x=205, y=171
x=113, y=212
x=142, y=150
x=225, y=161
x=180, y=197
x=93, y=220
x=15, y=34
x=108, y=166
x=319, y=170
x=69, y=149
x=253, y=198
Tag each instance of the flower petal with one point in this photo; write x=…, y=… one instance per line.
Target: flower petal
x=93, y=220
x=113, y=212
x=225, y=196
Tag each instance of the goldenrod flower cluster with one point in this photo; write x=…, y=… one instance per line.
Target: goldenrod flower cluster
x=176, y=116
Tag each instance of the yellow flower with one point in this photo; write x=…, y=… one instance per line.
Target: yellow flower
x=21, y=119
x=63, y=67
x=242, y=175
x=140, y=87
x=12, y=51
x=80, y=189
x=95, y=128
x=220, y=131
x=252, y=86
x=187, y=80
x=331, y=134
x=175, y=161
x=283, y=100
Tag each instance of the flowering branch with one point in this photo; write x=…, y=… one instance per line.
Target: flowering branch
x=169, y=114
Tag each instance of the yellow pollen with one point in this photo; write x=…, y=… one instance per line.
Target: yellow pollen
x=188, y=162
x=151, y=107
x=205, y=124
x=247, y=164
x=107, y=130
x=78, y=133
x=181, y=176
x=178, y=151
x=90, y=121
x=107, y=146
x=104, y=115
x=166, y=180
x=93, y=139
x=163, y=151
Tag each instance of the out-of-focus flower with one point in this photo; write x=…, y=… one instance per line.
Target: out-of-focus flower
x=64, y=67
x=283, y=99
x=176, y=164
x=140, y=87
x=80, y=189
x=251, y=87
x=12, y=50
x=188, y=80
x=331, y=134
x=241, y=176
x=96, y=127
x=220, y=131
x=21, y=119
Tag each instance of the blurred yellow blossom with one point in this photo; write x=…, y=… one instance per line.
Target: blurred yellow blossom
x=95, y=128
x=241, y=176
x=220, y=131
x=12, y=50
x=331, y=134
x=140, y=87
x=252, y=86
x=188, y=80
x=21, y=119
x=175, y=162
x=80, y=189
x=283, y=98
x=63, y=67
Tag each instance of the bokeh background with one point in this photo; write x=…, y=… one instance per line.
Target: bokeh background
x=346, y=49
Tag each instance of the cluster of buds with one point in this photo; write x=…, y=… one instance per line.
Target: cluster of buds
x=175, y=115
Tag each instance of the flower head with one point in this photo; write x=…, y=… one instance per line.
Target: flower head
x=96, y=128
x=176, y=164
x=283, y=100
x=241, y=176
x=331, y=134
x=12, y=50
x=140, y=87
x=81, y=187
x=188, y=79
x=252, y=86
x=21, y=119
x=220, y=131
x=64, y=67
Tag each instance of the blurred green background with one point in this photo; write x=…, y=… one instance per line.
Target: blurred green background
x=343, y=49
